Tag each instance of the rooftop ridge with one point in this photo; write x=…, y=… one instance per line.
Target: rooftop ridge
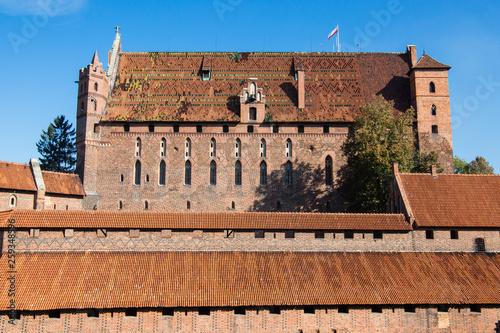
x=450, y=174
x=251, y=52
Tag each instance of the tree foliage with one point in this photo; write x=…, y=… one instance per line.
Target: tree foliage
x=376, y=141
x=57, y=146
x=478, y=166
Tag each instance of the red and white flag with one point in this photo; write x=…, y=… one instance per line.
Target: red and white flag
x=333, y=33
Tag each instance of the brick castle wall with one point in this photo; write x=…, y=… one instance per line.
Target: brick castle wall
x=264, y=319
x=308, y=192
x=224, y=240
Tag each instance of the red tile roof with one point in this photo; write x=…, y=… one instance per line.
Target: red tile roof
x=427, y=62
x=203, y=220
x=79, y=280
x=453, y=200
x=63, y=183
x=168, y=87
x=16, y=176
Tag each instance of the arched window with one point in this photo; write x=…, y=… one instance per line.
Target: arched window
x=288, y=174
x=13, y=201
x=146, y=205
x=163, y=172
x=328, y=171
x=233, y=205
x=433, y=110
x=138, y=146
x=288, y=148
x=120, y=205
x=237, y=173
x=262, y=148
x=237, y=148
x=252, y=114
x=187, y=173
x=187, y=149
x=213, y=173
x=212, y=147
x=263, y=173
x=252, y=90
x=137, y=173
x=432, y=87
x=188, y=205
x=94, y=105
x=163, y=147
x=96, y=86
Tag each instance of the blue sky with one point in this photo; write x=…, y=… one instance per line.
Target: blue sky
x=44, y=43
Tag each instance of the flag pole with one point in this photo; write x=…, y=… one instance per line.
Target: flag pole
x=338, y=40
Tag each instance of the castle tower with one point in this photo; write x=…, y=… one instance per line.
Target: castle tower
x=93, y=88
x=431, y=100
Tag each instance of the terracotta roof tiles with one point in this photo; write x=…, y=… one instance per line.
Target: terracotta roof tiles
x=203, y=220
x=427, y=62
x=80, y=280
x=453, y=200
x=16, y=176
x=161, y=86
x=63, y=183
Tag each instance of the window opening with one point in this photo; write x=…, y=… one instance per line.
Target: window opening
x=288, y=174
x=163, y=172
x=263, y=148
x=187, y=173
x=213, y=173
x=237, y=173
x=137, y=178
x=263, y=173
x=328, y=171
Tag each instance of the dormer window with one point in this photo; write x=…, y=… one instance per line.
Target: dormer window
x=205, y=75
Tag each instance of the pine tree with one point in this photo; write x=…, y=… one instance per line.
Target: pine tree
x=57, y=146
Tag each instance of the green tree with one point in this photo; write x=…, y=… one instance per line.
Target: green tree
x=480, y=166
x=375, y=141
x=460, y=165
x=57, y=146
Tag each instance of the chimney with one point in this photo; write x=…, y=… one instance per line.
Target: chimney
x=434, y=171
x=412, y=50
x=302, y=89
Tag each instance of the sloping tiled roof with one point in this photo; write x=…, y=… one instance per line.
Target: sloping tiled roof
x=16, y=176
x=204, y=220
x=453, y=200
x=427, y=62
x=79, y=280
x=160, y=86
x=63, y=183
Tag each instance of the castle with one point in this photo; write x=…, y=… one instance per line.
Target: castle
x=208, y=205
x=240, y=131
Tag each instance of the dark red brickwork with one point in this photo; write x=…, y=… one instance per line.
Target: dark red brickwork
x=308, y=191
x=456, y=318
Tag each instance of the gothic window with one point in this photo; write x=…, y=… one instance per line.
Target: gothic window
x=432, y=87
x=137, y=173
x=138, y=146
x=253, y=114
x=187, y=173
x=252, y=91
x=13, y=201
x=163, y=172
x=288, y=148
x=237, y=173
x=94, y=105
x=188, y=205
x=263, y=173
x=187, y=148
x=262, y=148
x=212, y=148
x=237, y=148
x=288, y=174
x=96, y=86
x=163, y=147
x=329, y=171
x=213, y=173
x=433, y=109
x=146, y=205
